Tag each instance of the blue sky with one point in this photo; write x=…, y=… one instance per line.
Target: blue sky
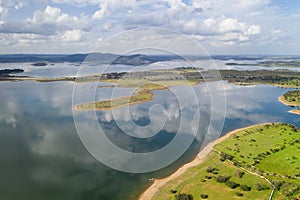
x=220, y=26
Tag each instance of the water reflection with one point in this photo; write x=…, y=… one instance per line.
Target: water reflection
x=41, y=156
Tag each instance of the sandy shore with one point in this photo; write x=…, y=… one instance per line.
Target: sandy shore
x=200, y=158
x=282, y=100
x=296, y=112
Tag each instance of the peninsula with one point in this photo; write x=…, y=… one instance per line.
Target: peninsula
x=256, y=162
x=291, y=98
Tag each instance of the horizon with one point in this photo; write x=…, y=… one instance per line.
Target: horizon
x=200, y=55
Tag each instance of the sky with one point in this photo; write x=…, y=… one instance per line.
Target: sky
x=220, y=26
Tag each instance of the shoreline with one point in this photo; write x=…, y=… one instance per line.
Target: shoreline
x=283, y=101
x=199, y=159
x=296, y=112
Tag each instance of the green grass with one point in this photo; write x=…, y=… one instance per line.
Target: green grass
x=272, y=151
x=281, y=164
x=191, y=182
x=139, y=97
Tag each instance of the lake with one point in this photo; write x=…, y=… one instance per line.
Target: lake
x=42, y=156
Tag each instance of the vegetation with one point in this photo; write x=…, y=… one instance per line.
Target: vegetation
x=143, y=94
x=7, y=72
x=291, y=98
x=269, y=151
x=184, y=196
x=290, y=64
x=162, y=79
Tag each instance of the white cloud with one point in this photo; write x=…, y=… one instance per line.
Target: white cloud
x=110, y=7
x=45, y=25
x=231, y=25
x=214, y=22
x=253, y=30
x=72, y=36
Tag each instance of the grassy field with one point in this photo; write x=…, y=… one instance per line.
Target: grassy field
x=247, y=157
x=197, y=181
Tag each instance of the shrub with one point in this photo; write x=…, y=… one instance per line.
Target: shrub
x=239, y=173
x=204, y=196
x=184, y=196
x=208, y=177
x=245, y=187
x=222, y=179
x=260, y=187
x=227, y=156
x=232, y=184
x=173, y=191
x=212, y=170
x=239, y=194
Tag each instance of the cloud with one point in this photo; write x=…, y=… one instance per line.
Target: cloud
x=50, y=21
x=72, y=36
x=6, y=5
x=216, y=23
x=107, y=7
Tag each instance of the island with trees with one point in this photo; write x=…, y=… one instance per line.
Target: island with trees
x=291, y=98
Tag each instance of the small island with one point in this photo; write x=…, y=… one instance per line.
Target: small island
x=39, y=64
x=7, y=72
x=256, y=162
x=291, y=98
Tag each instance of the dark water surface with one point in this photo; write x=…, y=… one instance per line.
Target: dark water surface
x=42, y=157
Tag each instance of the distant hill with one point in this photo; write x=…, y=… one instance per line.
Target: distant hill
x=105, y=58
x=135, y=59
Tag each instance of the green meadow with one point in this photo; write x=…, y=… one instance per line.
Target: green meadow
x=247, y=165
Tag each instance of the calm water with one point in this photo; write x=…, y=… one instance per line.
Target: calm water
x=42, y=157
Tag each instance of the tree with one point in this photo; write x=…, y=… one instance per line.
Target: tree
x=232, y=184
x=173, y=191
x=204, y=196
x=184, y=196
x=239, y=194
x=222, y=179
x=245, y=187
x=239, y=173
